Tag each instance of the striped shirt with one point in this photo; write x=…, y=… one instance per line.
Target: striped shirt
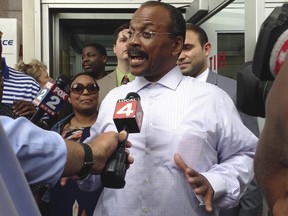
x=19, y=86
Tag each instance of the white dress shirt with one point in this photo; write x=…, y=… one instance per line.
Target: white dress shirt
x=186, y=116
x=203, y=76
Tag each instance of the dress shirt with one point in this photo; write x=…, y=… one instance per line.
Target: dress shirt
x=181, y=115
x=120, y=75
x=203, y=76
x=41, y=153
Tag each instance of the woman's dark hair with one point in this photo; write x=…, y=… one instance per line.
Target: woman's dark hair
x=84, y=73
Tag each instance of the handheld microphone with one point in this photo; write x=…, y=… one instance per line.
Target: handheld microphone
x=51, y=97
x=127, y=116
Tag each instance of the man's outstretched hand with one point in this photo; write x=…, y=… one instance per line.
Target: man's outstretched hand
x=198, y=182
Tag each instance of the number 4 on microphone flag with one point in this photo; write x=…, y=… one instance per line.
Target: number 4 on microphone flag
x=128, y=115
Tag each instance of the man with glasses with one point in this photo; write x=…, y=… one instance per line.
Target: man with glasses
x=193, y=154
x=193, y=61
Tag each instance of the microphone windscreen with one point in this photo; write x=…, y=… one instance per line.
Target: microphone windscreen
x=270, y=34
x=279, y=53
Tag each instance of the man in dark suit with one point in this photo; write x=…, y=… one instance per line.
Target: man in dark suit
x=193, y=61
x=121, y=74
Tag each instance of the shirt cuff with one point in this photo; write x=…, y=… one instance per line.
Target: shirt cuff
x=217, y=183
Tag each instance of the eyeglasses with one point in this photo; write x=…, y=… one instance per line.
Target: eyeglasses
x=145, y=34
x=78, y=88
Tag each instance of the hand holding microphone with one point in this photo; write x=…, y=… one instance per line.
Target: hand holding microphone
x=128, y=116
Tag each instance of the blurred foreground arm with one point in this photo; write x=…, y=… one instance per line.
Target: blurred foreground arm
x=271, y=159
x=44, y=156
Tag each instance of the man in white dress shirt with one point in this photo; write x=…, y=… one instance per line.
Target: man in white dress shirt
x=193, y=154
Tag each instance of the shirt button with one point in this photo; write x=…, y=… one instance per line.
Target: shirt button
x=147, y=151
x=147, y=181
x=145, y=210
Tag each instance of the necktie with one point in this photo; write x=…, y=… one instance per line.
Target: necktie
x=125, y=80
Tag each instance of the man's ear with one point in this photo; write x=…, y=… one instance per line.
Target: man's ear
x=178, y=45
x=114, y=49
x=69, y=99
x=104, y=59
x=207, y=49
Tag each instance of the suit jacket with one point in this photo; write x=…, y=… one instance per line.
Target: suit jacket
x=106, y=84
x=230, y=87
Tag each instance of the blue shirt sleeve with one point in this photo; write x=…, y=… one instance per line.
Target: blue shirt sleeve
x=42, y=154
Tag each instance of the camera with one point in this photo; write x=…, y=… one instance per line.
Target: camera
x=255, y=78
x=251, y=91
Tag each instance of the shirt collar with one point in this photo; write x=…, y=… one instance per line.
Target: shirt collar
x=203, y=76
x=170, y=80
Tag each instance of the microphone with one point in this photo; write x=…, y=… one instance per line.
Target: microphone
x=127, y=116
x=251, y=91
x=51, y=97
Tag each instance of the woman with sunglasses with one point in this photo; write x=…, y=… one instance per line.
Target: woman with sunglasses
x=69, y=199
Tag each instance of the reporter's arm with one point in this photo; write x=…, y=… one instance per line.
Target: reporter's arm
x=45, y=156
x=41, y=153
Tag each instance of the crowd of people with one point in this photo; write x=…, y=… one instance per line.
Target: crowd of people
x=195, y=151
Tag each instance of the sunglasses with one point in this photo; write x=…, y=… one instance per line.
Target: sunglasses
x=78, y=88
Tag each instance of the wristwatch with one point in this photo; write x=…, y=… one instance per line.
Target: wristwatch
x=88, y=161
